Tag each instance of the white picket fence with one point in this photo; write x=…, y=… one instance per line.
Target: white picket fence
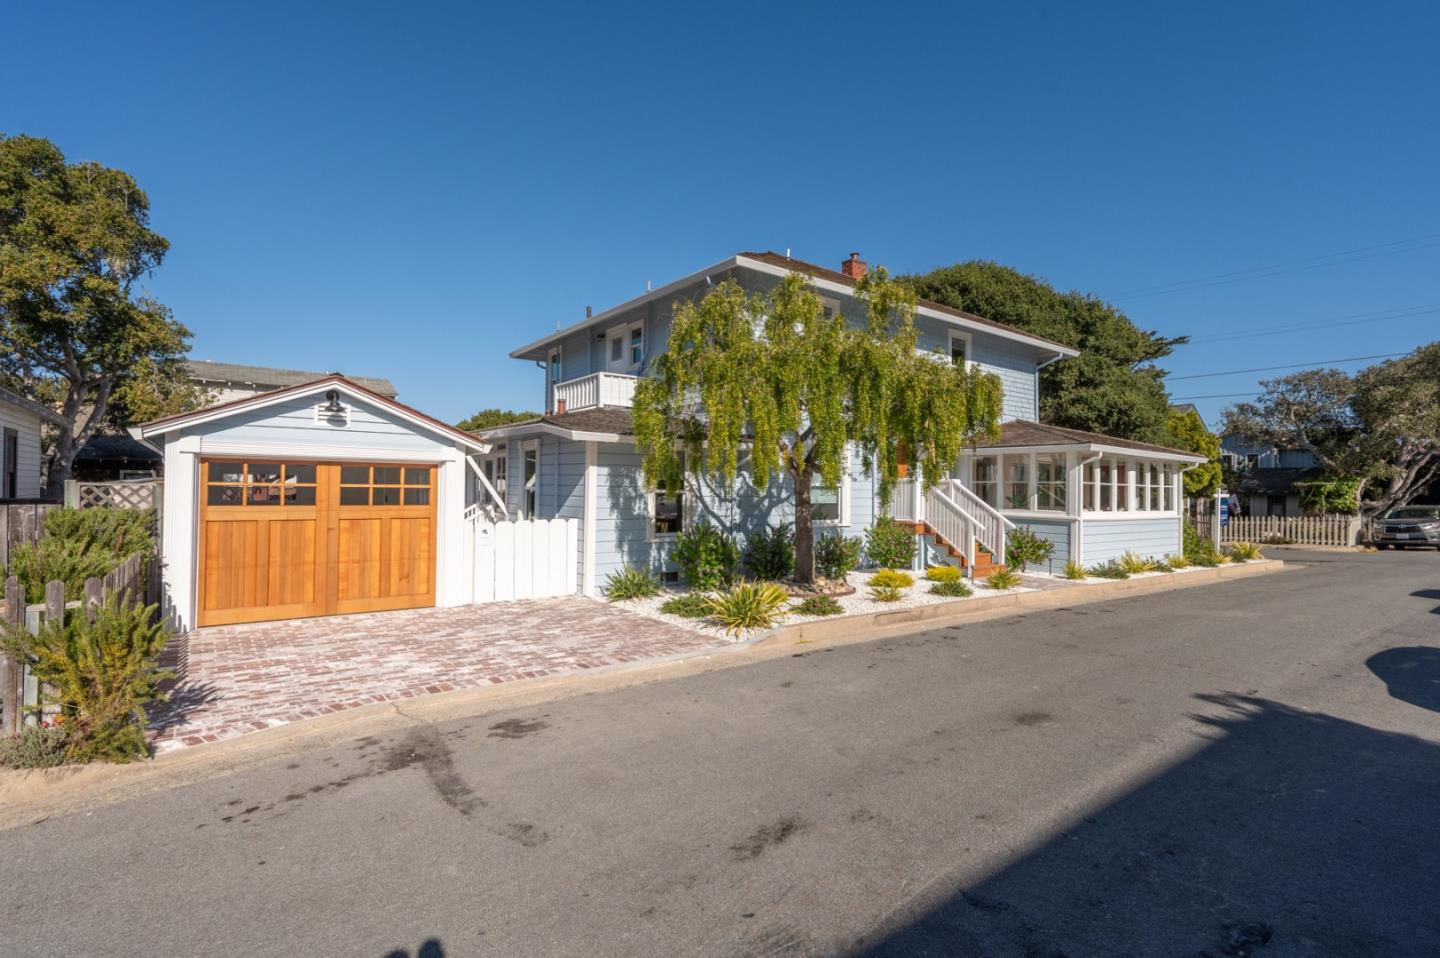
x=1328, y=530
x=529, y=559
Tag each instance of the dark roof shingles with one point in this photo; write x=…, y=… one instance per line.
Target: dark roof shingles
x=1023, y=432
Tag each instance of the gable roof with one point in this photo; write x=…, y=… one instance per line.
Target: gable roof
x=776, y=263
x=33, y=407
x=222, y=410
x=1023, y=433
x=207, y=371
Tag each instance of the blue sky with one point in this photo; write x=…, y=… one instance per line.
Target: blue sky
x=411, y=190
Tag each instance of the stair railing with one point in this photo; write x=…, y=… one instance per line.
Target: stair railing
x=952, y=523
x=993, y=526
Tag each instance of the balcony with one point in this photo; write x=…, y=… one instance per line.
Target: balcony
x=594, y=391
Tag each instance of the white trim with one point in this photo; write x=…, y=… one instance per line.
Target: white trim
x=264, y=400
x=209, y=446
x=526, y=445
x=969, y=339
x=592, y=479
x=550, y=429
x=1090, y=447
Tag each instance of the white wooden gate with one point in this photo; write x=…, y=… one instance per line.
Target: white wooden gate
x=529, y=559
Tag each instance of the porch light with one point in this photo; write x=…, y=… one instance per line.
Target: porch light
x=333, y=406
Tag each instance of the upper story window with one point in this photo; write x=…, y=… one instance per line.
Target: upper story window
x=961, y=347
x=625, y=347
x=637, y=344
x=554, y=366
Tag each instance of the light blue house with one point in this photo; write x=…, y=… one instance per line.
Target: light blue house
x=1093, y=496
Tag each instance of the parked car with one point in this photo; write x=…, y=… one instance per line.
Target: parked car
x=1406, y=526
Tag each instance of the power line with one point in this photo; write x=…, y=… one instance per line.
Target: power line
x=1352, y=319
x=1409, y=245
x=1212, y=396
x=1264, y=369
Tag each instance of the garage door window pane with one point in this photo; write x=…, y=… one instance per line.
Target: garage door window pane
x=224, y=495
x=299, y=495
x=264, y=495
x=354, y=496
x=264, y=472
x=301, y=473
x=355, y=475
x=385, y=496
x=226, y=472
x=387, y=475
x=417, y=477
x=417, y=497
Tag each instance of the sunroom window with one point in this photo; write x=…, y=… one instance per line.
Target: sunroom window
x=987, y=470
x=1017, y=482
x=1050, y=481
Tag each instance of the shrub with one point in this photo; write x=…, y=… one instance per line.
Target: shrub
x=631, y=582
x=1074, y=570
x=1177, y=561
x=770, y=553
x=1244, y=551
x=886, y=593
x=1198, y=549
x=37, y=746
x=1134, y=563
x=836, y=555
x=691, y=605
x=890, y=545
x=749, y=605
x=951, y=588
x=1003, y=579
x=706, y=556
x=942, y=573
x=1025, y=548
x=80, y=544
x=892, y=579
x=819, y=605
x=102, y=673
x=1108, y=570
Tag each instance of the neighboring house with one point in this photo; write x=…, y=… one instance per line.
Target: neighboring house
x=21, y=421
x=108, y=457
x=1268, y=476
x=1093, y=496
x=228, y=381
x=314, y=499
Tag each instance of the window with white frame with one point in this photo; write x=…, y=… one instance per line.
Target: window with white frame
x=831, y=504
x=1050, y=481
x=667, y=509
x=1168, y=480
x=637, y=344
x=1117, y=484
x=554, y=366
x=1017, y=482
x=987, y=476
x=961, y=348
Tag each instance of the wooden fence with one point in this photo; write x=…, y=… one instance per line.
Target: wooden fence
x=133, y=494
x=529, y=559
x=18, y=690
x=21, y=523
x=1327, y=530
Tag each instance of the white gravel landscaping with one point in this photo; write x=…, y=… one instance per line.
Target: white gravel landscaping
x=857, y=603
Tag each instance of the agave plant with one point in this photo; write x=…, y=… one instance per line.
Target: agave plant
x=749, y=605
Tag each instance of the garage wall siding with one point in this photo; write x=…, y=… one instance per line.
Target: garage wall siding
x=292, y=423
x=1106, y=539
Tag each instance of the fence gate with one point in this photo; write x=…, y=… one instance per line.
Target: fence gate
x=529, y=559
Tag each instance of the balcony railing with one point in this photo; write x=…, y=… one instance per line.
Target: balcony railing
x=596, y=389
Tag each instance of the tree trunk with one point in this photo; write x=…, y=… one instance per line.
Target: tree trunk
x=61, y=459
x=804, y=528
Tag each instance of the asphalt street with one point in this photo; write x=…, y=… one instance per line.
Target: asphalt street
x=1247, y=768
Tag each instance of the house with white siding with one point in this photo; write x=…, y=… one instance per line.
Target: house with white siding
x=1093, y=496
x=21, y=422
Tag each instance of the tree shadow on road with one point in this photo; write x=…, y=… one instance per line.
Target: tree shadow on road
x=1294, y=832
x=1410, y=673
x=430, y=949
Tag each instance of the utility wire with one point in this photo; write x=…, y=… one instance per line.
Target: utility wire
x=1352, y=319
x=1265, y=369
x=1288, y=266
x=1250, y=395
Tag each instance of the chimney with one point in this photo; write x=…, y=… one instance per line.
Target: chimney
x=589, y=311
x=854, y=267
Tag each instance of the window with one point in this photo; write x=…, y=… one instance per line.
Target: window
x=1017, y=482
x=1105, y=468
x=986, y=477
x=1157, y=493
x=1050, y=481
x=12, y=468
x=637, y=345
x=385, y=485
x=617, y=350
x=831, y=504
x=667, y=508
x=960, y=351
x=1168, y=475
x=554, y=366
x=1122, y=485
x=531, y=485
x=259, y=484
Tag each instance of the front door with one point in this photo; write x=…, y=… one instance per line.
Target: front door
x=281, y=540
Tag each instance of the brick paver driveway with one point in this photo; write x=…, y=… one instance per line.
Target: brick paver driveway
x=244, y=678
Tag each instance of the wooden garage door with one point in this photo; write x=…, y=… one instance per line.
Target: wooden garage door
x=281, y=540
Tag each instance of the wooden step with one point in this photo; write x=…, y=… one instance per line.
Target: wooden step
x=984, y=561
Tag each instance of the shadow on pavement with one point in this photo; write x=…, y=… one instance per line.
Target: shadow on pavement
x=1290, y=832
x=430, y=949
x=1410, y=673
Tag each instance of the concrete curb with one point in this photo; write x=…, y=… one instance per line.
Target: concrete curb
x=32, y=795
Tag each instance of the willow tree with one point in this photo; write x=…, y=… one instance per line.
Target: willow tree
x=798, y=386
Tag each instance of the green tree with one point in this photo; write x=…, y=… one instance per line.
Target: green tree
x=490, y=418
x=1380, y=426
x=1186, y=430
x=775, y=372
x=1112, y=387
x=75, y=240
